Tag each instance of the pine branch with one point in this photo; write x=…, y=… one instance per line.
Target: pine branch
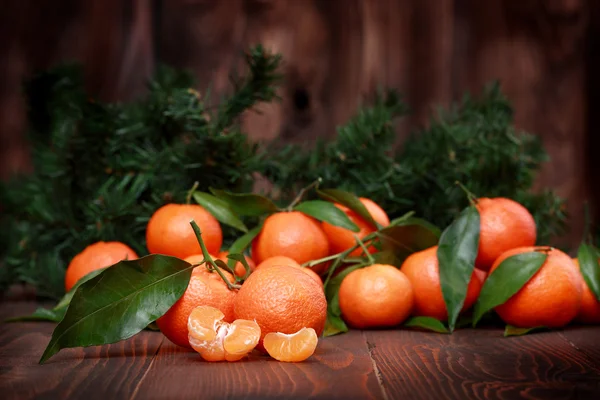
x=258, y=86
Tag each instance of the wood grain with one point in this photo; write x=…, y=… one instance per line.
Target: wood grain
x=386, y=364
x=105, y=372
x=340, y=369
x=481, y=364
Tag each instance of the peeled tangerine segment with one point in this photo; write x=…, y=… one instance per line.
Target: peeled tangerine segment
x=216, y=340
x=293, y=347
x=203, y=322
x=242, y=338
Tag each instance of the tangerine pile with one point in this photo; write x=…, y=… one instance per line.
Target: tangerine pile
x=279, y=305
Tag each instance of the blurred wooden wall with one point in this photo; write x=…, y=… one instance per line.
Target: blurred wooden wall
x=336, y=52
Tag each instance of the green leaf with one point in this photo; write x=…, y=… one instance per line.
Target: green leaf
x=41, y=314
x=244, y=241
x=326, y=211
x=588, y=264
x=506, y=280
x=120, y=302
x=248, y=204
x=456, y=254
x=57, y=313
x=220, y=210
x=515, y=331
x=349, y=200
x=428, y=323
x=334, y=323
x=409, y=236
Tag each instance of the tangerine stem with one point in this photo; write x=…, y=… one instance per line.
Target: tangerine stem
x=207, y=257
x=188, y=198
x=365, y=250
x=246, y=267
x=303, y=192
x=342, y=256
x=472, y=198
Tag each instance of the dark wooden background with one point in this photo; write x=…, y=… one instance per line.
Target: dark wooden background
x=336, y=52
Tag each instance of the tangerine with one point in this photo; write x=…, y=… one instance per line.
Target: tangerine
x=206, y=288
x=341, y=239
x=551, y=297
x=291, y=234
x=169, y=231
x=422, y=270
x=379, y=295
x=504, y=225
x=96, y=256
x=282, y=299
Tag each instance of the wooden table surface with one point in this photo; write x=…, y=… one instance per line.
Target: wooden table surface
x=385, y=364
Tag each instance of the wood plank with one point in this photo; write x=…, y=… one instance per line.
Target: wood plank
x=341, y=368
x=481, y=364
x=105, y=372
x=585, y=339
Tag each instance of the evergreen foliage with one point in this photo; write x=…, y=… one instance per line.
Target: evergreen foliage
x=102, y=169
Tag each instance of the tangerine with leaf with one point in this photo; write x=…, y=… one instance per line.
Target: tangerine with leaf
x=550, y=298
x=422, y=270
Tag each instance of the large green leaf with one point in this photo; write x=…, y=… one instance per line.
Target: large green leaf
x=120, y=302
x=220, y=209
x=456, y=255
x=248, y=204
x=326, y=211
x=588, y=264
x=506, y=280
x=349, y=200
x=334, y=323
x=428, y=323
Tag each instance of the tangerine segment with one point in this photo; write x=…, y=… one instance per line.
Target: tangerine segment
x=242, y=338
x=216, y=340
x=211, y=350
x=293, y=347
x=203, y=323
